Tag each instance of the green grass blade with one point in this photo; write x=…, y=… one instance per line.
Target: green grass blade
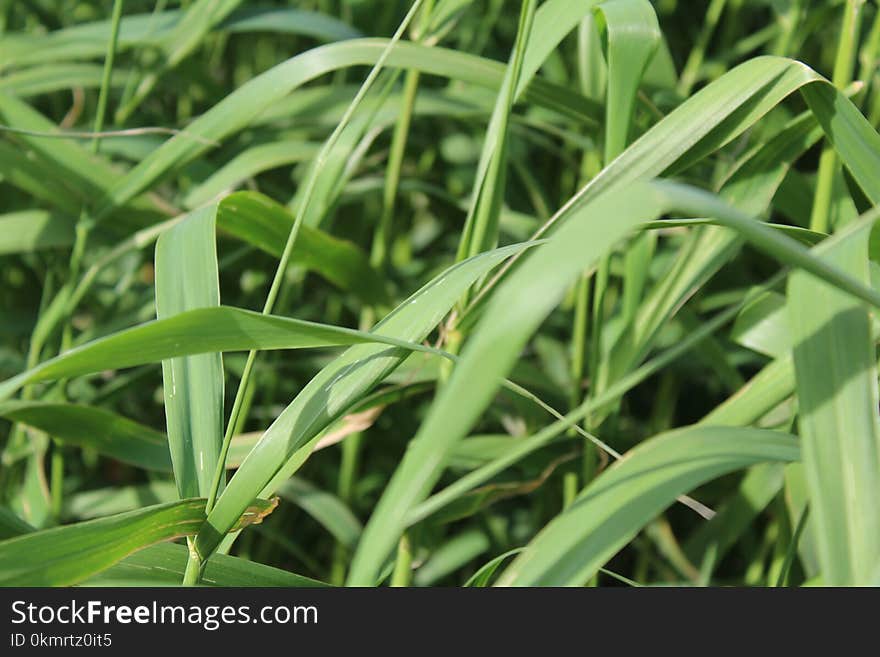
x=165, y=563
x=608, y=513
x=835, y=370
x=245, y=104
x=67, y=555
x=481, y=578
x=249, y=163
x=459, y=550
x=89, y=40
x=288, y=20
x=103, y=431
x=198, y=331
x=260, y=221
x=480, y=231
x=633, y=35
x=187, y=279
x=763, y=326
x=46, y=79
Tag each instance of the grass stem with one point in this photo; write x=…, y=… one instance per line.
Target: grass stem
x=820, y=218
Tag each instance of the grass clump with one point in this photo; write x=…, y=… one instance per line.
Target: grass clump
x=512, y=293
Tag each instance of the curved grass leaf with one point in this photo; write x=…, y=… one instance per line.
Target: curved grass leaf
x=45, y=79
x=481, y=578
x=632, y=36
x=459, y=550
x=89, y=40
x=105, y=432
x=610, y=511
x=199, y=331
x=67, y=555
x=249, y=163
x=761, y=326
x=260, y=221
x=246, y=103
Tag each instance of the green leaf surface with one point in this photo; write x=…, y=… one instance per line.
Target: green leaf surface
x=836, y=375
x=187, y=278
x=103, y=431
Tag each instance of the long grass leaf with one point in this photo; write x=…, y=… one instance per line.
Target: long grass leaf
x=836, y=375
x=187, y=278
x=67, y=555
x=609, y=512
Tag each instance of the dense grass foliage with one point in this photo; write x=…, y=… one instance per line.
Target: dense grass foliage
x=452, y=292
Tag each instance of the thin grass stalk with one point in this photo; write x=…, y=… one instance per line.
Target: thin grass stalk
x=790, y=20
x=309, y=188
x=620, y=112
x=869, y=60
x=83, y=228
x=402, y=575
x=86, y=221
x=844, y=63
x=591, y=73
x=691, y=70
x=480, y=229
x=791, y=552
